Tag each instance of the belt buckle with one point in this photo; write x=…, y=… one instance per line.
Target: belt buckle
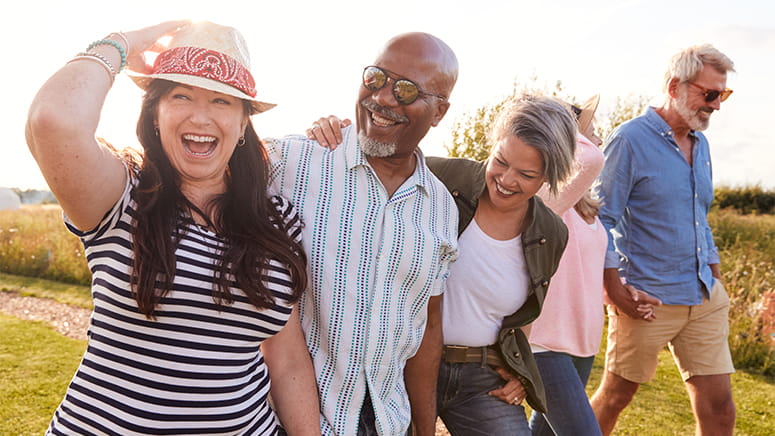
x=455, y=353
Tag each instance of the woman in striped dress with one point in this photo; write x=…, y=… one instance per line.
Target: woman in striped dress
x=196, y=269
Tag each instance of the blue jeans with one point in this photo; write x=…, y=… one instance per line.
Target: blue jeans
x=367, y=422
x=567, y=405
x=467, y=410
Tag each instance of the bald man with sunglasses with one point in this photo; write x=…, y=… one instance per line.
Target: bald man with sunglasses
x=380, y=232
x=656, y=188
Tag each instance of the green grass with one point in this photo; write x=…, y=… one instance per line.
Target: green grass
x=36, y=364
x=661, y=407
x=74, y=295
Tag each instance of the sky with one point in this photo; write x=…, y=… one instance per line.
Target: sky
x=307, y=56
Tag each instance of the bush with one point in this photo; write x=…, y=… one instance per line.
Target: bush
x=747, y=248
x=747, y=200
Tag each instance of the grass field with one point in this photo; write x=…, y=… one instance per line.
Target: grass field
x=36, y=364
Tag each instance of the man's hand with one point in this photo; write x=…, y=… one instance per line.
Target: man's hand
x=715, y=270
x=327, y=131
x=512, y=392
x=633, y=302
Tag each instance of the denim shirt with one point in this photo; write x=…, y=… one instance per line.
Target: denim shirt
x=655, y=209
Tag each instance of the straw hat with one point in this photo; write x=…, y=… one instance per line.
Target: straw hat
x=586, y=112
x=209, y=56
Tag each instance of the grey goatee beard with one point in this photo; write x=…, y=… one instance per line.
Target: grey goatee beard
x=691, y=118
x=375, y=148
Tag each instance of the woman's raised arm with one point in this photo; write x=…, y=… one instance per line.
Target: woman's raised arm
x=86, y=177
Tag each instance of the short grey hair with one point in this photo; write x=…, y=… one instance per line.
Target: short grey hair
x=544, y=123
x=687, y=64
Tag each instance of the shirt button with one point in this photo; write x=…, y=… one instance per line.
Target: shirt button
x=542, y=241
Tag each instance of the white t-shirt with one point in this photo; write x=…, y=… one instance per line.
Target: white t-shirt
x=488, y=282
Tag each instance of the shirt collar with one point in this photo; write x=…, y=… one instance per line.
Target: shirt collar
x=660, y=125
x=354, y=157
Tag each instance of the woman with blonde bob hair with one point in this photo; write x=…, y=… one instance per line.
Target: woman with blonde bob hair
x=196, y=269
x=510, y=245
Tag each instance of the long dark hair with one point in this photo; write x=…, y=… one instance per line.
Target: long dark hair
x=244, y=215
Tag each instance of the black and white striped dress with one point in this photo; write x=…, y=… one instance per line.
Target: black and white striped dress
x=196, y=369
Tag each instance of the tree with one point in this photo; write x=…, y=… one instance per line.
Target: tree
x=624, y=109
x=469, y=134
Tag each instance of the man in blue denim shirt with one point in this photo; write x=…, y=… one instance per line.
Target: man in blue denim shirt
x=656, y=189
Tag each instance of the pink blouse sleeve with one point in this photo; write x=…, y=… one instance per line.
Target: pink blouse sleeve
x=588, y=163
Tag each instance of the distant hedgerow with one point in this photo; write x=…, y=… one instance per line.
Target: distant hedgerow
x=747, y=200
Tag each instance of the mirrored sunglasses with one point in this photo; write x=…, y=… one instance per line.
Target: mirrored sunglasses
x=712, y=94
x=404, y=90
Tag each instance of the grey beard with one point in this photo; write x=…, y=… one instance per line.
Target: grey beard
x=691, y=118
x=374, y=148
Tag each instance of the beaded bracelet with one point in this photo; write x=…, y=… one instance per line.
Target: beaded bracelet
x=123, y=37
x=91, y=57
x=118, y=46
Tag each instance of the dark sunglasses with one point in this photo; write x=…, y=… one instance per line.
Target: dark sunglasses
x=576, y=111
x=404, y=90
x=712, y=94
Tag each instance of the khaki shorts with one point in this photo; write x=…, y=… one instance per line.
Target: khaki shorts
x=697, y=337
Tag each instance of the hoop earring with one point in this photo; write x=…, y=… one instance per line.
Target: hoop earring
x=156, y=130
x=241, y=141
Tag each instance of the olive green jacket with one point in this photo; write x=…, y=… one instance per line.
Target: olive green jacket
x=543, y=243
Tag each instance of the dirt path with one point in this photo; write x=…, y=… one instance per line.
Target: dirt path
x=67, y=320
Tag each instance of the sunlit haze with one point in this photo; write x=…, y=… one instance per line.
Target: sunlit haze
x=307, y=57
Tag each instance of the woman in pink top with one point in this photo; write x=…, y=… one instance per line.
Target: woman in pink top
x=566, y=336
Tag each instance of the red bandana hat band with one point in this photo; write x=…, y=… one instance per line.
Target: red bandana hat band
x=209, y=64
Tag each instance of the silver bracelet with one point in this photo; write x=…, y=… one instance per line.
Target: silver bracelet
x=100, y=57
x=100, y=60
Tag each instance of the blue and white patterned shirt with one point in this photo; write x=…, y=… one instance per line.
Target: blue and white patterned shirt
x=655, y=207
x=374, y=262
